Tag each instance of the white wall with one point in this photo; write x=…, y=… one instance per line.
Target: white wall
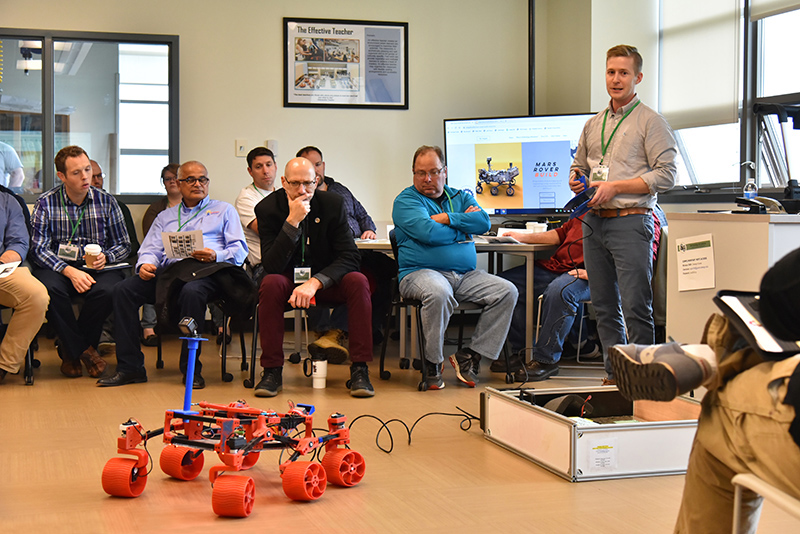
x=466, y=58
x=572, y=37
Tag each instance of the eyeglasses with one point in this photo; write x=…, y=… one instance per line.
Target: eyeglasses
x=308, y=184
x=191, y=180
x=433, y=173
x=100, y=176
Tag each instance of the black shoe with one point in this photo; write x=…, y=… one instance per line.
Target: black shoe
x=271, y=382
x=499, y=365
x=120, y=378
x=536, y=372
x=359, y=383
x=227, y=339
x=150, y=341
x=197, y=383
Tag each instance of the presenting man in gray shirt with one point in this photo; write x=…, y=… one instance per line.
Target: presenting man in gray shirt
x=627, y=151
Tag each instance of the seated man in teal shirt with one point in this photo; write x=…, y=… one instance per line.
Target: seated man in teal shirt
x=433, y=226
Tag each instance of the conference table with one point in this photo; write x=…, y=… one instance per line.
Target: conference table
x=526, y=251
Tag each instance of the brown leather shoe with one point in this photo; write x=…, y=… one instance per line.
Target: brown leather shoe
x=609, y=382
x=93, y=362
x=71, y=369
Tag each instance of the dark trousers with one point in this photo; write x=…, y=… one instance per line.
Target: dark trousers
x=353, y=291
x=132, y=293
x=77, y=335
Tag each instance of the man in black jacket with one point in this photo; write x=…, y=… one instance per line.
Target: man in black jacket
x=308, y=255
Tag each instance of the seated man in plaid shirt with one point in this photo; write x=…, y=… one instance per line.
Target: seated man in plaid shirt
x=65, y=220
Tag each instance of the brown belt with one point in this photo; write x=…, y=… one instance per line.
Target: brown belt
x=621, y=212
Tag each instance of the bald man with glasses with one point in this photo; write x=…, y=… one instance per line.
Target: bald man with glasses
x=308, y=254
x=223, y=247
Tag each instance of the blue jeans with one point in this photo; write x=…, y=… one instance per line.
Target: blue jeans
x=441, y=291
x=618, y=253
x=562, y=295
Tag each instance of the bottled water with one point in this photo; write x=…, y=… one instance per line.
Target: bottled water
x=750, y=189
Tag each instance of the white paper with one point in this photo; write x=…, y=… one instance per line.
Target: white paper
x=180, y=245
x=603, y=454
x=695, y=262
x=8, y=268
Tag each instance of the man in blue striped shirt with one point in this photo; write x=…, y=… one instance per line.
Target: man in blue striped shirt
x=65, y=220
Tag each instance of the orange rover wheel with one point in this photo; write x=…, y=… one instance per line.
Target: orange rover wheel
x=344, y=467
x=121, y=478
x=304, y=481
x=180, y=462
x=233, y=496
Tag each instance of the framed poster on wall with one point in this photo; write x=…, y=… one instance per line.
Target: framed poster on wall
x=345, y=63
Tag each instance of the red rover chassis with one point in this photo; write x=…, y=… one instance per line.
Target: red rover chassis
x=238, y=434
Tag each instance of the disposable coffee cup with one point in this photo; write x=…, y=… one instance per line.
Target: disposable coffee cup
x=90, y=254
x=536, y=227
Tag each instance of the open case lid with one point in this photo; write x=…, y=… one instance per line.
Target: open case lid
x=742, y=308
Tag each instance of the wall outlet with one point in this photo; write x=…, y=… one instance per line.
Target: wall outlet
x=241, y=148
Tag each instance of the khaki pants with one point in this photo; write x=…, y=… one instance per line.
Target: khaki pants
x=29, y=299
x=743, y=428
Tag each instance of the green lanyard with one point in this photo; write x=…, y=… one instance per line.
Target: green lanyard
x=259, y=191
x=78, y=222
x=199, y=209
x=603, y=145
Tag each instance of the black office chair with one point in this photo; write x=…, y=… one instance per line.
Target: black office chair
x=398, y=303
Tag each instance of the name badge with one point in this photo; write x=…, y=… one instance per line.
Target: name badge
x=600, y=173
x=68, y=252
x=302, y=274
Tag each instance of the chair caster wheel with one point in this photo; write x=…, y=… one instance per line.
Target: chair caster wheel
x=227, y=377
x=294, y=357
x=28, y=380
x=244, y=366
x=417, y=365
x=386, y=375
x=404, y=363
x=347, y=384
x=160, y=365
x=36, y=363
x=509, y=378
x=248, y=383
x=422, y=386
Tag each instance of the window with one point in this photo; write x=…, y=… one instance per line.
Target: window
x=777, y=82
x=719, y=154
x=115, y=95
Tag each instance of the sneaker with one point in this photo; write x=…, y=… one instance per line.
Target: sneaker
x=660, y=372
x=329, y=347
x=434, y=378
x=464, y=364
x=271, y=382
x=359, y=383
x=589, y=350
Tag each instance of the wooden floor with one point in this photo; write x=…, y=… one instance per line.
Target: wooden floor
x=58, y=435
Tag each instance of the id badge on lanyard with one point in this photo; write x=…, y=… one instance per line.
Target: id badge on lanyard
x=600, y=173
x=68, y=252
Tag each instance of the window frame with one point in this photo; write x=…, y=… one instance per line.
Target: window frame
x=49, y=179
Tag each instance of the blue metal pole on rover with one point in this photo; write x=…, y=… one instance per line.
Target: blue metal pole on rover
x=192, y=344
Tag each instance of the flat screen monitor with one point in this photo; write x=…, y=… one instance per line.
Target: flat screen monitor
x=514, y=165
